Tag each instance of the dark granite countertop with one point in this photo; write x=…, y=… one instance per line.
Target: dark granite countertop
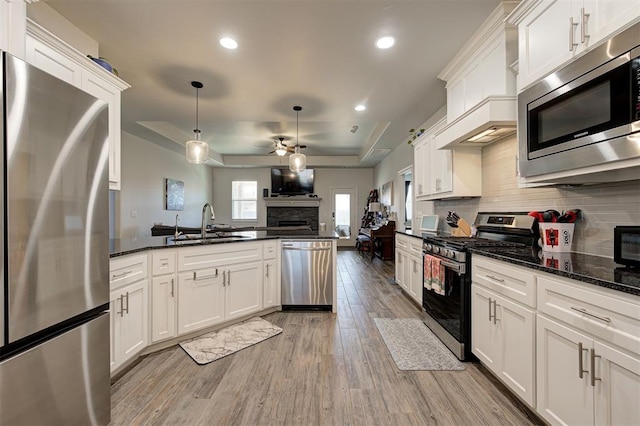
x=600, y=271
x=410, y=233
x=124, y=246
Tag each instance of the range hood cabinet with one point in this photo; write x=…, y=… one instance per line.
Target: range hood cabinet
x=489, y=121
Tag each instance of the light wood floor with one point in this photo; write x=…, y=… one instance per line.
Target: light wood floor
x=324, y=369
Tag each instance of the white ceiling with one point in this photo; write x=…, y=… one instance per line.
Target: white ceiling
x=319, y=54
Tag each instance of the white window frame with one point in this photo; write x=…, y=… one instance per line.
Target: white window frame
x=234, y=200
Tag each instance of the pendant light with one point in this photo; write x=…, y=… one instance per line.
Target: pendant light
x=197, y=150
x=297, y=161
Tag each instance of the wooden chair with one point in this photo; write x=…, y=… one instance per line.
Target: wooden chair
x=364, y=245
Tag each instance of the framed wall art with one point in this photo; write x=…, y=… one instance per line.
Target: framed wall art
x=386, y=193
x=174, y=194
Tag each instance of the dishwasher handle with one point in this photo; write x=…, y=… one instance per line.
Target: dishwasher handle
x=288, y=247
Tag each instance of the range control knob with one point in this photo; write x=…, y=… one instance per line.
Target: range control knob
x=436, y=250
x=428, y=247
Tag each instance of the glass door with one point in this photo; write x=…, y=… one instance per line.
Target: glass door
x=343, y=215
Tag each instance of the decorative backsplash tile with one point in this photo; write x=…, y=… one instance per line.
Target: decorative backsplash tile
x=603, y=206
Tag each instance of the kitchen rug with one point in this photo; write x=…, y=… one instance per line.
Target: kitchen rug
x=414, y=347
x=218, y=344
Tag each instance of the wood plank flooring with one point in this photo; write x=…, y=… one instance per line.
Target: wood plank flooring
x=324, y=369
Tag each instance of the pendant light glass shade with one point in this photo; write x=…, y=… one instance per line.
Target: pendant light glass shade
x=297, y=161
x=197, y=150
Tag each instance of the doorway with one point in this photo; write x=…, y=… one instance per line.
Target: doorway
x=343, y=215
x=405, y=213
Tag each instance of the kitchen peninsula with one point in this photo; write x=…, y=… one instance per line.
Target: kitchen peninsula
x=165, y=290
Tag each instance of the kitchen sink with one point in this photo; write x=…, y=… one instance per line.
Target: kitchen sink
x=194, y=238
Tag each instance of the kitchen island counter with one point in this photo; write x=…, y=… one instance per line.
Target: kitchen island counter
x=597, y=270
x=125, y=246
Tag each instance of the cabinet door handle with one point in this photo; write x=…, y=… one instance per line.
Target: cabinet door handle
x=593, y=367
x=584, y=18
x=267, y=266
x=500, y=280
x=495, y=306
x=572, y=45
x=228, y=278
x=124, y=274
x=224, y=278
x=581, y=369
x=584, y=311
x=127, y=296
x=172, y=294
x=490, y=309
x=121, y=313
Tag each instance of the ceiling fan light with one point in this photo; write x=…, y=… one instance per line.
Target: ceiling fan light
x=197, y=151
x=281, y=151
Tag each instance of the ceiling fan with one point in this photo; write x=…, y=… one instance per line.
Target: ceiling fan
x=282, y=149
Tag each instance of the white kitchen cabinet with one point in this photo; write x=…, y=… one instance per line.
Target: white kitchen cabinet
x=588, y=356
x=445, y=173
x=218, y=283
x=243, y=291
x=201, y=299
x=408, y=266
x=163, y=307
x=503, y=339
x=271, y=289
x=164, y=294
x=49, y=53
x=553, y=32
x=13, y=17
x=129, y=320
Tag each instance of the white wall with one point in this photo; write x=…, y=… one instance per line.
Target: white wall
x=324, y=181
x=145, y=166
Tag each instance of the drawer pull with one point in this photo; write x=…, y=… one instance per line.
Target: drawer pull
x=124, y=274
x=584, y=311
x=204, y=277
x=500, y=280
x=581, y=369
x=593, y=368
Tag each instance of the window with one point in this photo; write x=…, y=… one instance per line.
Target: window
x=244, y=200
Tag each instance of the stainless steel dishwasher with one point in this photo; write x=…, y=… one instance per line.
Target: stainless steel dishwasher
x=307, y=274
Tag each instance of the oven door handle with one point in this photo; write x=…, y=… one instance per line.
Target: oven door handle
x=458, y=268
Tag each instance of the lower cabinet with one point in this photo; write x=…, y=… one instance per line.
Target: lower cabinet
x=584, y=381
x=163, y=307
x=129, y=322
x=408, y=267
x=270, y=287
x=201, y=299
x=503, y=338
x=243, y=290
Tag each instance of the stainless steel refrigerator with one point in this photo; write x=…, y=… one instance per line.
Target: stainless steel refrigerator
x=54, y=320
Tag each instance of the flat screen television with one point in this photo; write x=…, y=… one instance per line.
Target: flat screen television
x=286, y=182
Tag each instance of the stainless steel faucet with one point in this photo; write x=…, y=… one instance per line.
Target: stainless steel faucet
x=203, y=228
x=176, y=234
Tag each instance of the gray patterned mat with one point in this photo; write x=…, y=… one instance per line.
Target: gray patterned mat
x=212, y=346
x=414, y=347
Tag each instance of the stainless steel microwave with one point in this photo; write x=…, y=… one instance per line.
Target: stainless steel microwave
x=585, y=114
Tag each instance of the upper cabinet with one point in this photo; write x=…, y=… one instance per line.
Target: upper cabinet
x=445, y=173
x=481, y=85
x=553, y=32
x=47, y=52
x=12, y=26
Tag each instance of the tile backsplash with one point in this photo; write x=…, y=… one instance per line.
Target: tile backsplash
x=603, y=206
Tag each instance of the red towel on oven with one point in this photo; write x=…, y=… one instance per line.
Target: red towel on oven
x=426, y=280
x=436, y=283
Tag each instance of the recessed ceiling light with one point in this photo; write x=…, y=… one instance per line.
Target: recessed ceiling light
x=228, y=43
x=385, y=42
x=360, y=108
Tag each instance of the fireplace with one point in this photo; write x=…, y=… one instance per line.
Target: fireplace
x=293, y=216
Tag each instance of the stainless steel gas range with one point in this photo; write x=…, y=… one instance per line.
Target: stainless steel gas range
x=446, y=298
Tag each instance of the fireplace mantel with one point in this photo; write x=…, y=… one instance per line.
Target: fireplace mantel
x=292, y=201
